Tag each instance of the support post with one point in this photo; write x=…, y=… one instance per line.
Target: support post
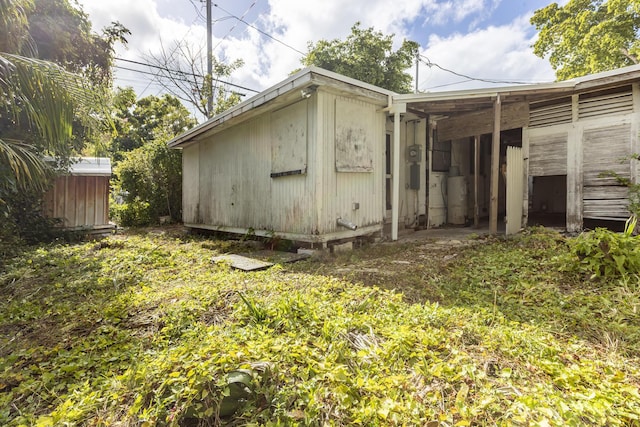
x=495, y=166
x=476, y=181
x=209, y=61
x=395, y=173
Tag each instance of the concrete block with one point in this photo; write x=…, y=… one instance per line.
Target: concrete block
x=342, y=247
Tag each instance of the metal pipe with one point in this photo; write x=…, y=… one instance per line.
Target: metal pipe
x=348, y=224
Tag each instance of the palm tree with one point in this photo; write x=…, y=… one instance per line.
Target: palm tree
x=38, y=103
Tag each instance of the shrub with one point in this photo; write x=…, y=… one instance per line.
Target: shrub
x=151, y=179
x=136, y=213
x=606, y=253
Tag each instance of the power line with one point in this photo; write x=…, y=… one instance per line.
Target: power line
x=428, y=62
x=259, y=30
x=198, y=10
x=233, y=27
x=178, y=72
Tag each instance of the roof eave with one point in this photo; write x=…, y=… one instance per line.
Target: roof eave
x=299, y=80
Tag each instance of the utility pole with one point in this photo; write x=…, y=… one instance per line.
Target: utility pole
x=209, y=61
x=417, y=68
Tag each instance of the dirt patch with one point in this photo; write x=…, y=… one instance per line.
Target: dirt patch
x=402, y=267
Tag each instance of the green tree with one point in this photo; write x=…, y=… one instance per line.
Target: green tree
x=366, y=55
x=42, y=108
x=39, y=101
x=148, y=173
x=61, y=32
x=138, y=122
x=588, y=36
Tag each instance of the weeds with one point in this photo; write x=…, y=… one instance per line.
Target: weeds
x=299, y=348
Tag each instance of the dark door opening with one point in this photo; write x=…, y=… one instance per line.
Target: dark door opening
x=548, y=201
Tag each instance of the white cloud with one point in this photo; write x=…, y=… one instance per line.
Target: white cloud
x=494, y=53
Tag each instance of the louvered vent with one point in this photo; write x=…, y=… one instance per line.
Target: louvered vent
x=544, y=114
x=605, y=104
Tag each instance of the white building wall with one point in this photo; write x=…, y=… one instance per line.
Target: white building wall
x=358, y=195
x=228, y=183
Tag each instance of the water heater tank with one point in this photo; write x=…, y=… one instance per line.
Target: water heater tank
x=437, y=197
x=457, y=200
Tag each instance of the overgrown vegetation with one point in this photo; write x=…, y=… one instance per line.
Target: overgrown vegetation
x=145, y=330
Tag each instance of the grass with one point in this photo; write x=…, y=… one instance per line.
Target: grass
x=144, y=330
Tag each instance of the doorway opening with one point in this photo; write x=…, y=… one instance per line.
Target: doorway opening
x=548, y=201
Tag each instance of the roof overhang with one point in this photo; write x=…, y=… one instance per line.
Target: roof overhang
x=465, y=101
x=86, y=166
x=447, y=103
x=288, y=91
x=91, y=166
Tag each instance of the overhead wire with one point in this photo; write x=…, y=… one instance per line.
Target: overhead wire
x=198, y=10
x=233, y=27
x=468, y=78
x=177, y=73
x=259, y=30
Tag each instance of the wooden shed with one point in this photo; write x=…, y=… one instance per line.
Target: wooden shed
x=80, y=198
x=322, y=157
x=303, y=160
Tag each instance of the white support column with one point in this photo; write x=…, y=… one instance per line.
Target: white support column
x=396, y=109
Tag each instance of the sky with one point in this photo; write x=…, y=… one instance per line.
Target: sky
x=479, y=39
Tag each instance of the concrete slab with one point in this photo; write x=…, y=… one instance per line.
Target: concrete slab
x=259, y=260
x=241, y=262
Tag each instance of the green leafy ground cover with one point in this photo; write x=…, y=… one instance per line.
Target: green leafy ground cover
x=144, y=330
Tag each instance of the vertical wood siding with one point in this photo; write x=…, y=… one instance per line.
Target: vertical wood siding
x=191, y=184
x=79, y=201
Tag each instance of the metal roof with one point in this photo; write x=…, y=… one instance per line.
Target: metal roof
x=304, y=78
x=461, y=101
x=90, y=166
x=447, y=102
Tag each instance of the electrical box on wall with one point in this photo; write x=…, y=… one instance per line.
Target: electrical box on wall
x=414, y=176
x=414, y=153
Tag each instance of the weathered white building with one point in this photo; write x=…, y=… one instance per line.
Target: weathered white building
x=315, y=158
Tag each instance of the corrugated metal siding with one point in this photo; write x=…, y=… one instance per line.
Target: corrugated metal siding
x=190, y=184
x=293, y=197
x=342, y=189
x=604, y=149
x=79, y=201
x=236, y=188
x=515, y=189
x=548, y=152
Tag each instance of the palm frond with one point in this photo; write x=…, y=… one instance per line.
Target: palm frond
x=44, y=99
